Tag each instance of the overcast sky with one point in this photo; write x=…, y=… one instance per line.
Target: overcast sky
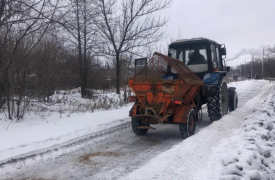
x=236, y=23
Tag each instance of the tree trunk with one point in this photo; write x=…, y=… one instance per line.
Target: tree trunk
x=2, y=7
x=85, y=64
x=83, y=87
x=7, y=90
x=117, y=74
x=80, y=63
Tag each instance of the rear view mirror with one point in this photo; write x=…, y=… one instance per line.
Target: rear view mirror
x=223, y=51
x=228, y=68
x=140, y=62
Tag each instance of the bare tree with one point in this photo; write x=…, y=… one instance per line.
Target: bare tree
x=272, y=49
x=47, y=66
x=22, y=25
x=81, y=35
x=128, y=25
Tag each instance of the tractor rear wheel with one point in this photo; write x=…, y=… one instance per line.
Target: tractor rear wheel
x=217, y=105
x=233, y=99
x=188, y=129
x=135, y=122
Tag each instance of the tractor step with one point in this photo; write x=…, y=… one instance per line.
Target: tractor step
x=145, y=127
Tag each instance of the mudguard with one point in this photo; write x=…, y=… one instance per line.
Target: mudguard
x=213, y=78
x=231, y=90
x=211, y=83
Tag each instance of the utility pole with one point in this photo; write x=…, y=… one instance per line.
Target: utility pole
x=263, y=62
x=240, y=69
x=245, y=69
x=251, y=66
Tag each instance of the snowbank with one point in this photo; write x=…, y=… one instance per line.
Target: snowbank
x=253, y=155
x=40, y=133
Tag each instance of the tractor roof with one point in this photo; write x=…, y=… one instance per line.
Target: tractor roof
x=191, y=41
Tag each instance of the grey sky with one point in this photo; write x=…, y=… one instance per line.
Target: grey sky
x=236, y=23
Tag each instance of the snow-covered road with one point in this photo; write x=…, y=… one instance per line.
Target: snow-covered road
x=160, y=155
x=196, y=158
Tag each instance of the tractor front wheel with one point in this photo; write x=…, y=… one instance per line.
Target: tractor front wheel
x=188, y=129
x=135, y=122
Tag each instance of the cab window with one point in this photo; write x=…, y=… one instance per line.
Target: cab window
x=195, y=56
x=219, y=58
x=196, y=59
x=214, y=57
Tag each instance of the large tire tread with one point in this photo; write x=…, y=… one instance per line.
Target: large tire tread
x=185, y=132
x=233, y=99
x=214, y=104
x=135, y=123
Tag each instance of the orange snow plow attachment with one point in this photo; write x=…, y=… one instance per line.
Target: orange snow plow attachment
x=165, y=90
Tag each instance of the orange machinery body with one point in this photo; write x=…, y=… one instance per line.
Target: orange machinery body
x=156, y=96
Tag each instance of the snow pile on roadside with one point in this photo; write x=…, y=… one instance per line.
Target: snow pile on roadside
x=65, y=118
x=254, y=158
x=38, y=134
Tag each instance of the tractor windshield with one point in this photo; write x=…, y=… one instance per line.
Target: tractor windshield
x=194, y=58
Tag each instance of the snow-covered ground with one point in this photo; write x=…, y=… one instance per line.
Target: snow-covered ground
x=239, y=146
x=70, y=101
x=40, y=133
x=217, y=151
x=63, y=120
x=251, y=153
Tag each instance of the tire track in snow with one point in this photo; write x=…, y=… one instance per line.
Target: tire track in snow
x=64, y=148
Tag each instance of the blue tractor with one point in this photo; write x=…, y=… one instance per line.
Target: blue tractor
x=206, y=58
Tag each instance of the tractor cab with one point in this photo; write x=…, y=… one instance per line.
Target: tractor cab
x=201, y=55
x=206, y=58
